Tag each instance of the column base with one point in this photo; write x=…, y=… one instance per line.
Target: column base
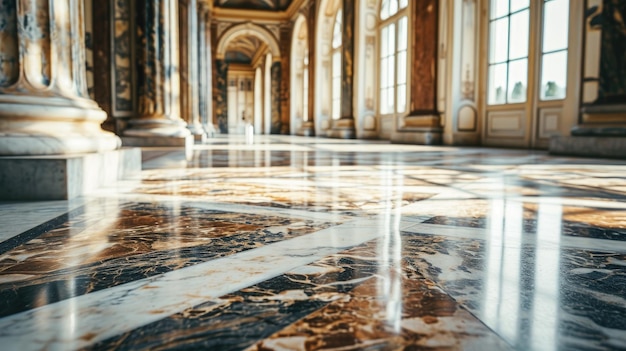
x=588, y=146
x=159, y=141
x=342, y=129
x=420, y=136
x=61, y=177
x=307, y=129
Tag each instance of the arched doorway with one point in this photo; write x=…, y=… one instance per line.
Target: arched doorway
x=243, y=50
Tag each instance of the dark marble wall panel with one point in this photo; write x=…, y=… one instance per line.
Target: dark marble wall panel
x=424, y=64
x=276, y=98
x=348, y=59
x=220, y=95
x=9, y=60
x=122, y=58
x=613, y=52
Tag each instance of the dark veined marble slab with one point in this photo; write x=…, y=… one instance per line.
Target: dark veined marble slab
x=238, y=320
x=538, y=297
x=97, y=250
x=351, y=300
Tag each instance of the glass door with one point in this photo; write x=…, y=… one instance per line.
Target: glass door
x=526, y=60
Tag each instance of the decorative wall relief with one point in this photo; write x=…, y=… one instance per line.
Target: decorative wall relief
x=122, y=58
x=276, y=98
x=220, y=95
x=9, y=54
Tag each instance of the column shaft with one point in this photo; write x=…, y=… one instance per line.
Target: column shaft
x=158, y=82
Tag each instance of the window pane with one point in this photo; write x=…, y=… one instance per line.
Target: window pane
x=518, y=81
x=383, y=42
x=402, y=33
x=555, y=25
x=401, y=68
x=391, y=39
x=401, y=91
x=403, y=3
x=499, y=8
x=517, y=5
x=518, y=47
x=497, y=84
x=393, y=7
x=384, y=79
x=384, y=10
x=554, y=76
x=390, y=100
x=337, y=29
x=499, y=40
x=383, y=101
x=391, y=70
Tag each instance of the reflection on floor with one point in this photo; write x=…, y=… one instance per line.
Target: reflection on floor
x=308, y=244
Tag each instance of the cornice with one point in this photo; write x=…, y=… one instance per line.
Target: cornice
x=256, y=15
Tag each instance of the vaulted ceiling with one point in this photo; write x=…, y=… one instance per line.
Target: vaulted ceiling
x=242, y=49
x=270, y=5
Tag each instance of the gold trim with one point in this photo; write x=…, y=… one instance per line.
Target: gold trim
x=256, y=15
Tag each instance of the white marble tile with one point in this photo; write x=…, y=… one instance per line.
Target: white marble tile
x=18, y=217
x=84, y=320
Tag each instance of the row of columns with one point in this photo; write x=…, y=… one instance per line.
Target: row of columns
x=45, y=108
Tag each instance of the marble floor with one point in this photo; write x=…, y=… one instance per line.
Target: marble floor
x=320, y=244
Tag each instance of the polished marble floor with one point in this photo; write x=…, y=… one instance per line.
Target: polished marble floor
x=296, y=243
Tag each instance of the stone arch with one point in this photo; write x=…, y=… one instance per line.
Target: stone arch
x=248, y=29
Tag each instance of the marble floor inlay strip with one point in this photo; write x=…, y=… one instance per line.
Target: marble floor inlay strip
x=90, y=318
x=527, y=238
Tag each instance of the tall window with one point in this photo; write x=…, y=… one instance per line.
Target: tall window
x=393, y=56
x=508, y=51
x=509, y=23
x=336, y=66
x=554, y=49
x=305, y=87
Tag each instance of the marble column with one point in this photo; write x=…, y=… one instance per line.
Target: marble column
x=601, y=128
x=204, y=66
x=44, y=105
x=276, y=94
x=344, y=127
x=308, y=127
x=284, y=126
x=189, y=68
x=158, y=121
x=220, y=95
x=423, y=124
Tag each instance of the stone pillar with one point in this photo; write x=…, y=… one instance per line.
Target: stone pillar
x=423, y=124
x=601, y=128
x=276, y=97
x=44, y=105
x=189, y=67
x=308, y=127
x=285, y=78
x=158, y=121
x=204, y=67
x=220, y=95
x=344, y=127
